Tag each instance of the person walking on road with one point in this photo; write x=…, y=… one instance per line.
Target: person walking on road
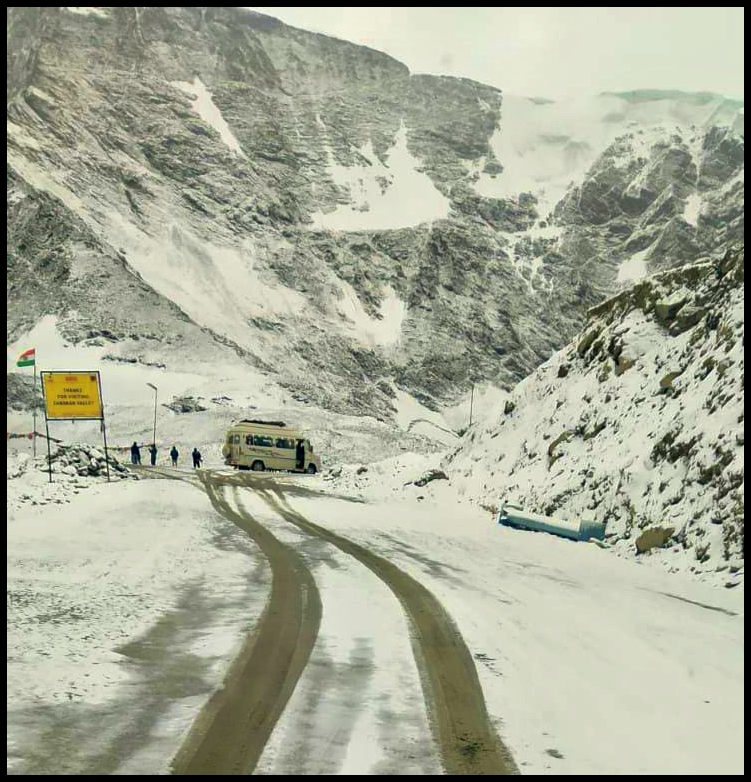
x=173, y=454
x=196, y=458
x=135, y=454
x=152, y=454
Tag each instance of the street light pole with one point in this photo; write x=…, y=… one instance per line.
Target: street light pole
x=155, y=396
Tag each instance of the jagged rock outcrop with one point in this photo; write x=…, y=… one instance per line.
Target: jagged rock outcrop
x=666, y=202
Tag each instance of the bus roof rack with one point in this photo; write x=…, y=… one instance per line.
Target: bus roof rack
x=263, y=423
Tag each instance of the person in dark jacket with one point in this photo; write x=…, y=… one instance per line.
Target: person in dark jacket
x=300, y=454
x=135, y=454
x=152, y=454
x=173, y=454
x=196, y=458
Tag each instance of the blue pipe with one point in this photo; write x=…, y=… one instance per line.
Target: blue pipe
x=513, y=516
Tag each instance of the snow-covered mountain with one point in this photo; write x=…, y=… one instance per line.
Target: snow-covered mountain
x=637, y=423
x=210, y=185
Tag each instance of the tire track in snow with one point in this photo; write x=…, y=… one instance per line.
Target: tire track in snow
x=231, y=731
x=466, y=738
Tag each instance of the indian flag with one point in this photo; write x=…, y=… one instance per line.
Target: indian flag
x=27, y=359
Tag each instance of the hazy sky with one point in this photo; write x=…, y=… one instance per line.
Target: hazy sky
x=550, y=52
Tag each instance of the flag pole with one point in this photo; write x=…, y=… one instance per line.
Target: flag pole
x=34, y=408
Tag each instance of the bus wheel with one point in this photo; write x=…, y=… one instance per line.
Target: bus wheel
x=311, y=469
x=257, y=466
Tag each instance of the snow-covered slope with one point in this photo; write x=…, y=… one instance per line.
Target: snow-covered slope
x=637, y=423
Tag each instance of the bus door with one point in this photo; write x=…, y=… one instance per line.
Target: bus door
x=234, y=447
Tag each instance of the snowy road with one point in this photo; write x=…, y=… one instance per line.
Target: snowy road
x=239, y=720
x=389, y=636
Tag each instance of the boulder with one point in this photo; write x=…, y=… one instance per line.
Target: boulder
x=431, y=475
x=687, y=317
x=654, y=537
x=185, y=404
x=666, y=310
x=666, y=382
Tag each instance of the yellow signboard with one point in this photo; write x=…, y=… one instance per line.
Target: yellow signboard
x=72, y=395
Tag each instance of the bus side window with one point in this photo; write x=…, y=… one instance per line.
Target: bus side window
x=284, y=443
x=249, y=440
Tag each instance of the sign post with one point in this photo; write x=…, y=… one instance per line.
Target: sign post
x=104, y=432
x=49, y=448
x=73, y=396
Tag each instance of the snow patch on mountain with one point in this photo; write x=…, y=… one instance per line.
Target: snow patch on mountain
x=122, y=383
x=634, y=268
x=692, y=209
x=21, y=137
x=383, y=331
x=413, y=417
x=216, y=286
x=545, y=162
x=85, y=11
x=207, y=110
x=383, y=195
x=37, y=177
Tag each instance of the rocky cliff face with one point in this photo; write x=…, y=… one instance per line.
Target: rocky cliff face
x=637, y=423
x=247, y=190
x=661, y=204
